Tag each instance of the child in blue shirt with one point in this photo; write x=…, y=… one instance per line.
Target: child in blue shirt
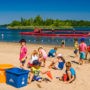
x=52, y=52
x=60, y=60
x=70, y=72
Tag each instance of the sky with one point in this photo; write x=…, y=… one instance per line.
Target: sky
x=56, y=9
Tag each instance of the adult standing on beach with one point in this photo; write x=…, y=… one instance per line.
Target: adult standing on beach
x=82, y=51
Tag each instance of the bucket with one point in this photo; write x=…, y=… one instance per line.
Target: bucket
x=65, y=77
x=49, y=74
x=3, y=67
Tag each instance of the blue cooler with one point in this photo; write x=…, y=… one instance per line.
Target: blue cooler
x=17, y=77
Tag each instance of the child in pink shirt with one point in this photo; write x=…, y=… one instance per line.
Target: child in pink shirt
x=82, y=50
x=82, y=47
x=23, y=52
x=42, y=55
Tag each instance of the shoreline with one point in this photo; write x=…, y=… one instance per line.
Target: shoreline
x=45, y=27
x=51, y=45
x=42, y=27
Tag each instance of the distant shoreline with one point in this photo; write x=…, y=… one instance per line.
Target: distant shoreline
x=44, y=27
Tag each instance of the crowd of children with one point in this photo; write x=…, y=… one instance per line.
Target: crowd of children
x=38, y=59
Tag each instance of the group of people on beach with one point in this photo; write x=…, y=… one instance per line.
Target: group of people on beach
x=39, y=58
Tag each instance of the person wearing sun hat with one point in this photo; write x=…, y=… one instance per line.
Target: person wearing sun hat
x=59, y=63
x=82, y=50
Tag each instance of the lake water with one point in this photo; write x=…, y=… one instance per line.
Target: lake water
x=7, y=35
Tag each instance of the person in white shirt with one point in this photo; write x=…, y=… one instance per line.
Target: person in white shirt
x=34, y=56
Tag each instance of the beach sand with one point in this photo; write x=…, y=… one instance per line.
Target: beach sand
x=9, y=54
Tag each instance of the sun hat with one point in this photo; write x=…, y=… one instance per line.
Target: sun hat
x=82, y=39
x=59, y=55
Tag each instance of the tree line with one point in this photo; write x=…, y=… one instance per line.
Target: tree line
x=39, y=21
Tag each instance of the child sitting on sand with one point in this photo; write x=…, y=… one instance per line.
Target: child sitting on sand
x=52, y=52
x=34, y=56
x=23, y=52
x=70, y=75
x=35, y=72
x=42, y=56
x=60, y=60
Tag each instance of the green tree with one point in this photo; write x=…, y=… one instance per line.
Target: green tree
x=49, y=22
x=38, y=21
x=56, y=23
x=31, y=21
x=16, y=23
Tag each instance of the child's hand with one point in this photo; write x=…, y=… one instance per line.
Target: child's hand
x=43, y=72
x=23, y=59
x=29, y=82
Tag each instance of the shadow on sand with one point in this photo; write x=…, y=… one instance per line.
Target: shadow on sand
x=75, y=62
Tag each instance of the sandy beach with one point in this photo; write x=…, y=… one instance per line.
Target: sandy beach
x=9, y=54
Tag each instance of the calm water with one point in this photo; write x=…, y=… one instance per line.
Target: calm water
x=7, y=35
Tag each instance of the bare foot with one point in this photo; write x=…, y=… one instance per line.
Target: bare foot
x=29, y=82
